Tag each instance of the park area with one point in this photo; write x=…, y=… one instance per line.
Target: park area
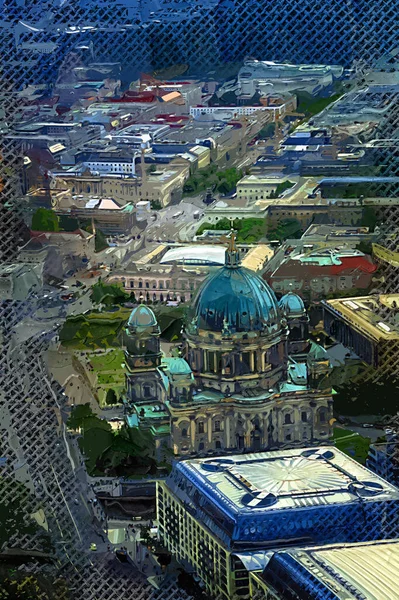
x=128, y=451
x=353, y=444
x=104, y=330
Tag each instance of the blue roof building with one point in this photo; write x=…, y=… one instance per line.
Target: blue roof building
x=256, y=502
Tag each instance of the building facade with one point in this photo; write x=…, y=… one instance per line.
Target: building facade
x=252, y=380
x=315, y=272
x=368, y=326
x=219, y=517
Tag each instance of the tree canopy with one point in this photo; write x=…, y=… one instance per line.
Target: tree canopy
x=45, y=219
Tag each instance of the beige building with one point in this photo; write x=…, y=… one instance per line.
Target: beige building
x=252, y=187
x=161, y=284
x=162, y=185
x=369, y=326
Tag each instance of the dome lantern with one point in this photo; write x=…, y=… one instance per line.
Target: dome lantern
x=232, y=254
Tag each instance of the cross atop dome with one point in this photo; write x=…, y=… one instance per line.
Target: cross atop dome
x=232, y=253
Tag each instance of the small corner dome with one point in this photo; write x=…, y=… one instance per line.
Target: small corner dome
x=142, y=316
x=292, y=305
x=177, y=366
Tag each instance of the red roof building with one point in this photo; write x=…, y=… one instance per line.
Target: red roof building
x=320, y=272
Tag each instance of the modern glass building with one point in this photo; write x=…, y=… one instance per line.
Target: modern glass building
x=218, y=515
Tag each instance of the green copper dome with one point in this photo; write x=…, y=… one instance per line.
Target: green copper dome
x=237, y=300
x=292, y=305
x=142, y=317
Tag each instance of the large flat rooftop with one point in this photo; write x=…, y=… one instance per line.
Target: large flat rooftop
x=289, y=479
x=375, y=317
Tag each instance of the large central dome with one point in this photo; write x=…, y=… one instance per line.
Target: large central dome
x=237, y=299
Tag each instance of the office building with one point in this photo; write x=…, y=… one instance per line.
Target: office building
x=367, y=325
x=217, y=514
x=314, y=272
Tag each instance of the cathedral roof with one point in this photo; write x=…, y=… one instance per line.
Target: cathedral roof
x=177, y=366
x=235, y=299
x=142, y=316
x=317, y=352
x=292, y=305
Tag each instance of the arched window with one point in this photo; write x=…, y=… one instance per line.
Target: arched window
x=201, y=446
x=184, y=432
x=147, y=390
x=287, y=419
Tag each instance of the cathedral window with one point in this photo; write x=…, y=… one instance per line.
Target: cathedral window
x=287, y=419
x=147, y=390
x=217, y=425
x=201, y=427
x=184, y=433
x=218, y=445
x=201, y=446
x=323, y=415
x=304, y=416
x=288, y=437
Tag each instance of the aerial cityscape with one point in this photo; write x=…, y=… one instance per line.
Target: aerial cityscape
x=199, y=300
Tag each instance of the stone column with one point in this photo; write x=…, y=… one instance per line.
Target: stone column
x=192, y=434
x=227, y=431
x=209, y=430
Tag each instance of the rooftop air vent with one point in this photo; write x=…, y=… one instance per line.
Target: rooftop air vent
x=318, y=454
x=216, y=466
x=258, y=499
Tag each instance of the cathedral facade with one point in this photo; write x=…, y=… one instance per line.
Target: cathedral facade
x=248, y=379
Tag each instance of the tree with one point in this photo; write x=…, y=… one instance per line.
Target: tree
x=267, y=131
x=369, y=218
x=156, y=204
x=151, y=169
x=68, y=223
x=111, y=397
x=45, y=219
x=100, y=243
x=365, y=247
x=101, y=293
x=78, y=415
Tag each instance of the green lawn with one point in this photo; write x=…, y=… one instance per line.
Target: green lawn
x=111, y=361
x=248, y=230
x=353, y=444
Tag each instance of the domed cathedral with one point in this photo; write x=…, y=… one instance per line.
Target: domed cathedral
x=249, y=380
x=236, y=340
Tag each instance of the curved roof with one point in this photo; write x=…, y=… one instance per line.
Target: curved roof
x=238, y=299
x=142, y=316
x=211, y=255
x=177, y=366
x=292, y=305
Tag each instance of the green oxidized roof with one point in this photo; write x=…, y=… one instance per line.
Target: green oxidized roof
x=317, y=352
x=177, y=366
x=142, y=316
